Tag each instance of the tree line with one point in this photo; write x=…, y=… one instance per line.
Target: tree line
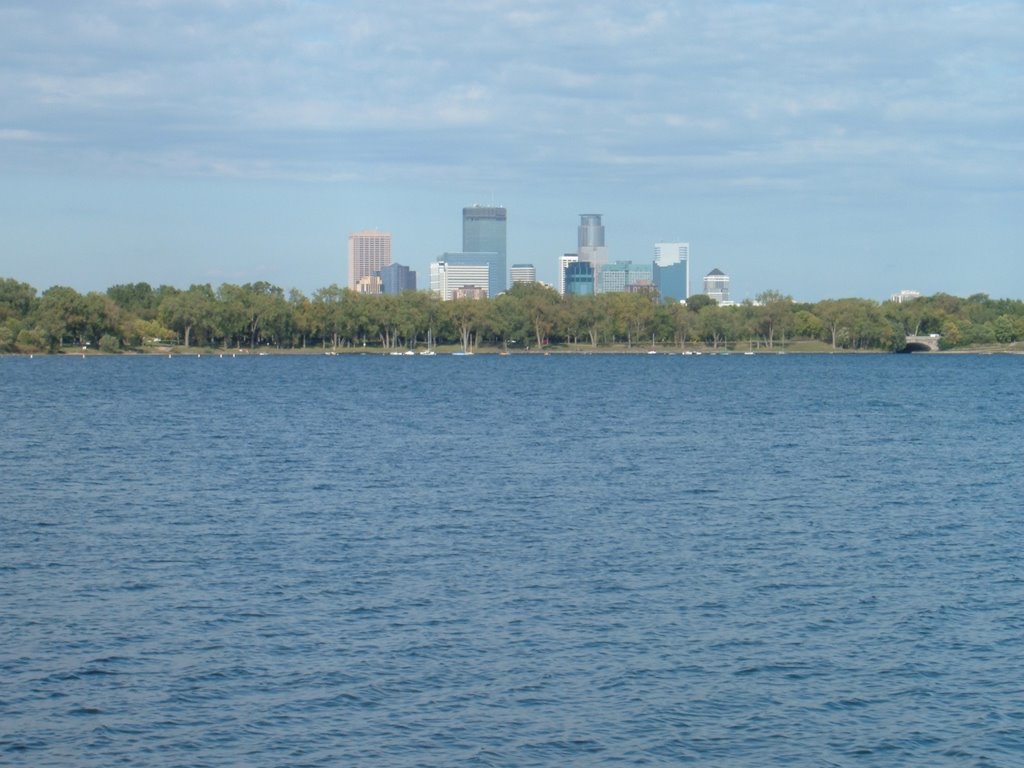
x=135, y=316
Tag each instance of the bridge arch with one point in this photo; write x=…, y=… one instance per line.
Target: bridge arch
x=921, y=344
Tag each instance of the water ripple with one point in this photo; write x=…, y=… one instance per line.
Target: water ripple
x=346, y=562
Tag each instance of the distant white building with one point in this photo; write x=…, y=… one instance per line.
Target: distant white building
x=903, y=296
x=522, y=273
x=446, y=278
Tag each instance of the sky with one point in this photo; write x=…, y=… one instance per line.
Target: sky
x=822, y=149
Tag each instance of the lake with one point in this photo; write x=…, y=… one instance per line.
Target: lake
x=492, y=561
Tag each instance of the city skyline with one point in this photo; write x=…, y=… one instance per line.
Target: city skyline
x=820, y=150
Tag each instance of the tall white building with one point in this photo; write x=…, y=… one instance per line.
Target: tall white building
x=446, y=278
x=369, y=251
x=564, y=261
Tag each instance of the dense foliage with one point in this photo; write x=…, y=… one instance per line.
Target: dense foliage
x=134, y=316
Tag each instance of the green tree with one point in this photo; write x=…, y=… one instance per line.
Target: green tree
x=182, y=312
x=539, y=305
x=631, y=314
x=139, y=299
x=465, y=315
x=588, y=314
x=109, y=344
x=1005, y=329
x=773, y=314
x=951, y=335
x=714, y=324
x=17, y=300
x=259, y=307
x=304, y=320
x=683, y=318
x=807, y=325
x=34, y=340
x=421, y=313
x=102, y=316
x=61, y=313
x=142, y=332
x=698, y=301
x=507, y=320
x=327, y=313
x=9, y=331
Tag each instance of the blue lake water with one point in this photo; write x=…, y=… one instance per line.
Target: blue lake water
x=529, y=561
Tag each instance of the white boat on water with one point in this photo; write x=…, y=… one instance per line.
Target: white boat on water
x=429, y=351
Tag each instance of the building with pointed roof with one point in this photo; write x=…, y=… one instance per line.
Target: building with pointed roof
x=716, y=286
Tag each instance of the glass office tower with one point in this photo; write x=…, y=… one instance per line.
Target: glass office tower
x=579, y=279
x=672, y=270
x=483, y=231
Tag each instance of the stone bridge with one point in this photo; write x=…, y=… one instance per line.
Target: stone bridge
x=922, y=344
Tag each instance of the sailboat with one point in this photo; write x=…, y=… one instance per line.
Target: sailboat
x=430, y=344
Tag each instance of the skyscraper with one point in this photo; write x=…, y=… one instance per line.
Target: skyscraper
x=672, y=270
x=483, y=232
x=590, y=239
x=369, y=251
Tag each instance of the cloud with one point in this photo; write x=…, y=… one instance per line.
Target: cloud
x=22, y=135
x=306, y=89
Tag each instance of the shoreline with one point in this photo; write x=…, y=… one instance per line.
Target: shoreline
x=1011, y=349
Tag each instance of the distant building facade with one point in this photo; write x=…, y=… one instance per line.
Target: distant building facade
x=450, y=274
x=716, y=286
x=903, y=296
x=590, y=239
x=397, y=278
x=642, y=286
x=484, y=230
x=563, y=262
x=522, y=273
x=469, y=292
x=369, y=285
x=672, y=270
x=619, y=276
x=578, y=279
x=369, y=251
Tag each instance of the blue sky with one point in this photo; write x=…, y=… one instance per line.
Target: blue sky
x=818, y=148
